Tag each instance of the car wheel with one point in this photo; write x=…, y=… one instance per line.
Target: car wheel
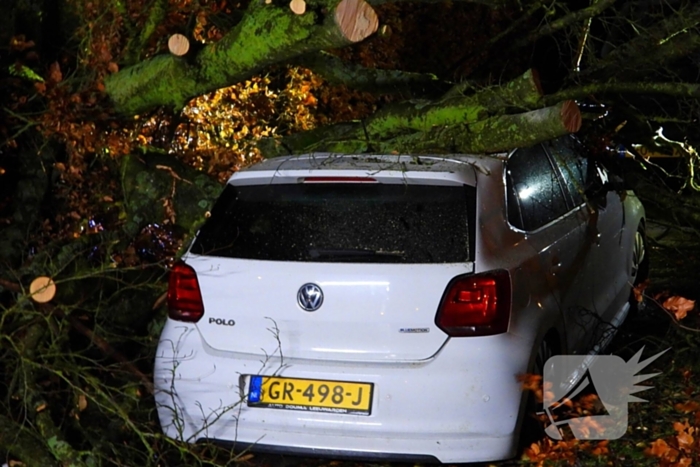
x=639, y=269
x=532, y=429
x=544, y=352
x=640, y=261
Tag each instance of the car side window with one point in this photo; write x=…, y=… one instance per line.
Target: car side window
x=535, y=196
x=573, y=166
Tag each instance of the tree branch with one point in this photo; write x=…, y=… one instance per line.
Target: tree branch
x=17, y=440
x=689, y=90
x=155, y=16
x=374, y=80
x=662, y=43
x=565, y=21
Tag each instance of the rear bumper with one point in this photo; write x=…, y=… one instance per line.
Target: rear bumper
x=462, y=405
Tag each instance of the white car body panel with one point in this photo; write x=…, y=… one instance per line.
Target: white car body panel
x=409, y=411
x=353, y=298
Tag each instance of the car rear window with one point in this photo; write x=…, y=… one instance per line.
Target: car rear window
x=352, y=222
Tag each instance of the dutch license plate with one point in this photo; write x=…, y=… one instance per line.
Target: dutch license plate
x=311, y=395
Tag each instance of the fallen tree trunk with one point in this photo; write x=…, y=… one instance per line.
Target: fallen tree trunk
x=494, y=134
x=267, y=34
x=523, y=93
x=458, y=122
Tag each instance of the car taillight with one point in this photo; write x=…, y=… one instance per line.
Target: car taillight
x=338, y=180
x=184, y=297
x=475, y=305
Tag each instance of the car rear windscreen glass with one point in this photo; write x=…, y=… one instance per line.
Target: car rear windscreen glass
x=352, y=222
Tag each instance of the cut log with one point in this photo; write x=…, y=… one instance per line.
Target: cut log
x=42, y=289
x=356, y=19
x=298, y=7
x=178, y=45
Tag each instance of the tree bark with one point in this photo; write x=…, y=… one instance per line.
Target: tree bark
x=266, y=35
x=687, y=90
x=494, y=134
x=523, y=93
x=452, y=120
x=374, y=80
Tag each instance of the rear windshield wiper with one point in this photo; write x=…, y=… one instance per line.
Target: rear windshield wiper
x=353, y=253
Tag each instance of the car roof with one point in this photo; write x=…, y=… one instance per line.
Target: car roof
x=379, y=162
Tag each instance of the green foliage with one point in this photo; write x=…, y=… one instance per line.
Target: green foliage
x=158, y=186
x=25, y=72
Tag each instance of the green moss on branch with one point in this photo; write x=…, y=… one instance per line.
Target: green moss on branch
x=266, y=35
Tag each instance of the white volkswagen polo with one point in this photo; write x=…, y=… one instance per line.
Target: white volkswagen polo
x=383, y=306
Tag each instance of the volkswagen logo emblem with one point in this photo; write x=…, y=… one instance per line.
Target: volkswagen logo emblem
x=310, y=297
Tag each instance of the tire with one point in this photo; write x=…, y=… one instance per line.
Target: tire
x=639, y=271
x=531, y=429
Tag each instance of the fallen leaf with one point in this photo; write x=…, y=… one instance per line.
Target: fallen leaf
x=82, y=402
x=529, y=381
x=680, y=427
x=55, y=74
x=19, y=43
x=659, y=448
x=690, y=406
x=310, y=100
x=639, y=291
x=533, y=451
x=685, y=441
x=679, y=306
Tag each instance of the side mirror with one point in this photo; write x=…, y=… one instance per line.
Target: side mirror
x=614, y=183
x=602, y=182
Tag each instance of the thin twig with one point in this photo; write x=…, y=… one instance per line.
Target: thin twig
x=102, y=344
x=671, y=315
